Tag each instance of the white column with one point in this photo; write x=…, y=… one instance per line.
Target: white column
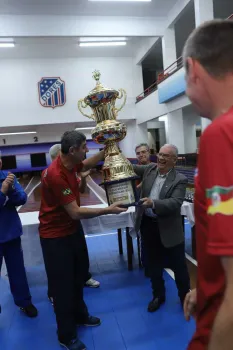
x=162, y=136
x=204, y=123
x=204, y=11
x=175, y=130
x=190, y=139
x=135, y=134
x=169, y=47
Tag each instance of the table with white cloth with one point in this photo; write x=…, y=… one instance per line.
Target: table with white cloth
x=106, y=224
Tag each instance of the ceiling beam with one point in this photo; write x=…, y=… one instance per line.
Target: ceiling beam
x=16, y=26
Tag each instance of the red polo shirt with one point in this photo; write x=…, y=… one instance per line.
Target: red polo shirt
x=59, y=186
x=214, y=222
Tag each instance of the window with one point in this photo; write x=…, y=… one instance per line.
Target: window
x=9, y=162
x=38, y=160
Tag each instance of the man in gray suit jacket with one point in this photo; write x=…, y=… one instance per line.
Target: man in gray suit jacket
x=160, y=222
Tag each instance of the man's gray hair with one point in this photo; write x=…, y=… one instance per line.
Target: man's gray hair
x=142, y=145
x=54, y=151
x=211, y=44
x=174, y=148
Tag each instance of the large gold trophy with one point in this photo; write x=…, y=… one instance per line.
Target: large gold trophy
x=119, y=177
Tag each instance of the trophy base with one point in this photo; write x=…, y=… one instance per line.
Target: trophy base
x=123, y=190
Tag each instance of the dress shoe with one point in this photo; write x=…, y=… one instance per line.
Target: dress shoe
x=30, y=310
x=74, y=344
x=89, y=321
x=155, y=304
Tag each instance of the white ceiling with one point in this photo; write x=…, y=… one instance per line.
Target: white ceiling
x=155, y=8
x=59, y=128
x=65, y=47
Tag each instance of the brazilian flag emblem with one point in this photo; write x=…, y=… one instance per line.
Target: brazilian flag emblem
x=220, y=200
x=67, y=191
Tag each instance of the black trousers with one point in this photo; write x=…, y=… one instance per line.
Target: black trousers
x=157, y=254
x=86, y=263
x=64, y=263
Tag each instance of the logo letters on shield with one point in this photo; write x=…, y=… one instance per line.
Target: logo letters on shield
x=52, y=92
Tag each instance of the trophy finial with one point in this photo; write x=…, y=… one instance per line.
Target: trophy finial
x=96, y=75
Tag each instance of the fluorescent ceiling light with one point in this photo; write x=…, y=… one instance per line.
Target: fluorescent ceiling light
x=87, y=128
x=104, y=43
x=18, y=133
x=6, y=44
x=101, y=39
x=123, y=0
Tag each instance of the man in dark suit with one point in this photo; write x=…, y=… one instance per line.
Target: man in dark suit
x=160, y=222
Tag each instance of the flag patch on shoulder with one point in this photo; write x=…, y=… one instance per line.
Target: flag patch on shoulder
x=220, y=200
x=67, y=191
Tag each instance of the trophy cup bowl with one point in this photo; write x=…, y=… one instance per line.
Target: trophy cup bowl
x=118, y=174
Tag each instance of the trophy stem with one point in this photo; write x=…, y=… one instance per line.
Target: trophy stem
x=111, y=149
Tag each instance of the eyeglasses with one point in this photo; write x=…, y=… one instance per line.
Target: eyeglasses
x=164, y=155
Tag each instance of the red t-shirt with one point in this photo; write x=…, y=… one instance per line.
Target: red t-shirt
x=214, y=222
x=59, y=186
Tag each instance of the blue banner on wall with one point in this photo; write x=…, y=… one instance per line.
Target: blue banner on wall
x=172, y=87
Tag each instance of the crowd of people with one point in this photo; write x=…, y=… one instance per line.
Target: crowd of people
x=208, y=61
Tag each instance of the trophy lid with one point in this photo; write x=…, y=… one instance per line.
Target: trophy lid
x=100, y=92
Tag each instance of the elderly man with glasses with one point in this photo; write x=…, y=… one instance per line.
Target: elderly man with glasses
x=160, y=222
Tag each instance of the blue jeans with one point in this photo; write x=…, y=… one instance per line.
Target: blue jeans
x=13, y=255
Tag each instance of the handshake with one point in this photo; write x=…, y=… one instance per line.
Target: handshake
x=8, y=183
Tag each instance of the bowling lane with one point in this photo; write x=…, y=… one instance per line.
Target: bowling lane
x=24, y=180
x=34, y=195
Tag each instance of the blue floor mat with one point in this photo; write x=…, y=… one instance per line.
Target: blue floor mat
x=121, y=302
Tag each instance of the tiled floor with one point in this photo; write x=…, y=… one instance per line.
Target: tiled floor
x=120, y=302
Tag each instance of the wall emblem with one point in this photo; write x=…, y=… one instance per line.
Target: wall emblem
x=52, y=92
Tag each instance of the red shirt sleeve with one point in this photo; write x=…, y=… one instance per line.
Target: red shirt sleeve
x=79, y=167
x=217, y=176
x=61, y=190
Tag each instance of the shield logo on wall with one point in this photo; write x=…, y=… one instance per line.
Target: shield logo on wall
x=52, y=92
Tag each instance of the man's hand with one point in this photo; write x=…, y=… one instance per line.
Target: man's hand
x=116, y=209
x=84, y=174
x=8, y=183
x=190, y=303
x=146, y=202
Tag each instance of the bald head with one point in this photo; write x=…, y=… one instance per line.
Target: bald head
x=172, y=148
x=167, y=158
x=54, y=151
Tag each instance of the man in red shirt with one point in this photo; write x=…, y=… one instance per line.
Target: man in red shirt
x=61, y=235
x=54, y=152
x=208, y=58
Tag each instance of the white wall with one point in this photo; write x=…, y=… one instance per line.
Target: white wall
x=189, y=123
x=19, y=101
x=42, y=135
x=135, y=134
